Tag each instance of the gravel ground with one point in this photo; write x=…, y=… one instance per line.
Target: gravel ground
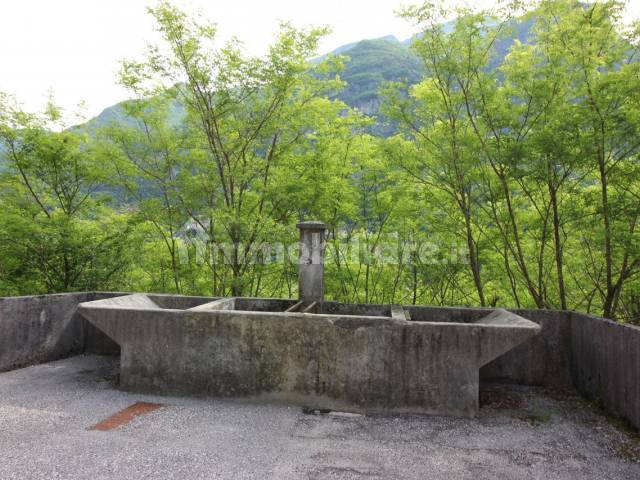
x=46, y=410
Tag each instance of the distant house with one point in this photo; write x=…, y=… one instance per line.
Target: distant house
x=194, y=230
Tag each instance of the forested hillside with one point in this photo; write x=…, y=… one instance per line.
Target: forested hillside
x=367, y=66
x=494, y=161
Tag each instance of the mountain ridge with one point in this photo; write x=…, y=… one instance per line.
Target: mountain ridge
x=369, y=64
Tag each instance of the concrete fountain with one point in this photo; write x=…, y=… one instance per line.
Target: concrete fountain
x=310, y=352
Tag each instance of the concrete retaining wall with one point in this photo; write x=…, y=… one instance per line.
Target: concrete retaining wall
x=544, y=360
x=600, y=358
x=606, y=364
x=44, y=328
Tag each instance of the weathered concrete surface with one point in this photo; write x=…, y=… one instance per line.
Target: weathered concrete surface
x=311, y=261
x=357, y=363
x=542, y=360
x=45, y=412
x=36, y=329
x=599, y=357
x=42, y=328
x=606, y=364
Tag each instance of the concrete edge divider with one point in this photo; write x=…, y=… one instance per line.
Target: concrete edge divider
x=42, y=328
x=605, y=364
x=600, y=358
x=544, y=360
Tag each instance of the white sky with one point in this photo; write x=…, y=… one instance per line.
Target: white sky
x=73, y=47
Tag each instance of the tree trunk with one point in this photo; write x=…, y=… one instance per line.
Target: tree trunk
x=558, y=247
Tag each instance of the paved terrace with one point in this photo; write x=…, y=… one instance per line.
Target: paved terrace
x=47, y=413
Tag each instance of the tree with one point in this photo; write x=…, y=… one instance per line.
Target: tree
x=534, y=150
x=606, y=75
x=55, y=235
x=245, y=116
x=441, y=153
x=148, y=158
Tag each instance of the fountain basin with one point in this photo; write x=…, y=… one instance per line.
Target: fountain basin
x=361, y=358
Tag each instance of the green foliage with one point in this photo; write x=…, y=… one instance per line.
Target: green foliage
x=508, y=174
x=55, y=234
x=370, y=63
x=532, y=152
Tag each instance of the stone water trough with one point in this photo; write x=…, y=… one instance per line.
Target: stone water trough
x=309, y=352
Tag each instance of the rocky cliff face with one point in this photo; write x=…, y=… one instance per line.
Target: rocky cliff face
x=368, y=107
x=370, y=64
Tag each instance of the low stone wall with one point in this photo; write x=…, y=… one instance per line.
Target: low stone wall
x=39, y=329
x=606, y=364
x=599, y=357
x=43, y=328
x=543, y=360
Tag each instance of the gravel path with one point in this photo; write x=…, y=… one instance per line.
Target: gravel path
x=46, y=411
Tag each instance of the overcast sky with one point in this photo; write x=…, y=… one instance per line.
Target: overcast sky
x=73, y=47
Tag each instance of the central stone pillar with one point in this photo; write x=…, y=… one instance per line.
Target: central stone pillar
x=311, y=261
